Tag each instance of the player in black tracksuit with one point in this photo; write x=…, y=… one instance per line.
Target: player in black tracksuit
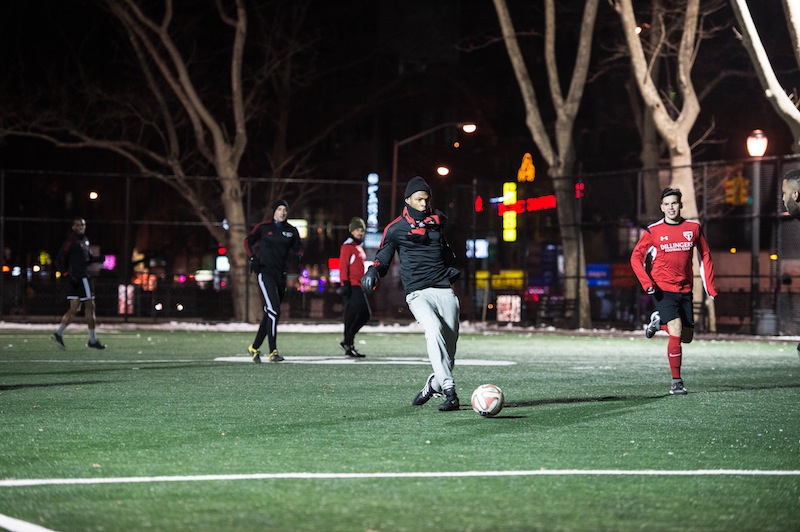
x=72, y=260
x=268, y=246
x=417, y=236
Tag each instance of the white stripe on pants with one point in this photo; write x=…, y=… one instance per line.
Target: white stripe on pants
x=437, y=311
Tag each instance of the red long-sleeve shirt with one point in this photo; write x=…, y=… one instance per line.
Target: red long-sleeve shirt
x=351, y=261
x=670, y=248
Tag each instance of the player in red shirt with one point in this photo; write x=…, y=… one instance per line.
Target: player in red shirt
x=667, y=245
x=351, y=269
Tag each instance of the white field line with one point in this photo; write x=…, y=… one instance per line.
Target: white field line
x=15, y=525
x=13, y=483
x=289, y=360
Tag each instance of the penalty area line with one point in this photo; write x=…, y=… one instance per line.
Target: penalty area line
x=9, y=483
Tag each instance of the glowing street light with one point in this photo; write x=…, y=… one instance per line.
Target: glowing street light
x=466, y=127
x=757, y=143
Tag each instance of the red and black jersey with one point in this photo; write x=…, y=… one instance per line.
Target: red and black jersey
x=271, y=243
x=351, y=261
x=670, y=248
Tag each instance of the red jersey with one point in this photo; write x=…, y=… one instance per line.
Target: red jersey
x=669, y=247
x=351, y=262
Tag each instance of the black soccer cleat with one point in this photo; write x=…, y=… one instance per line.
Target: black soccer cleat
x=654, y=325
x=450, y=401
x=59, y=340
x=678, y=389
x=254, y=353
x=350, y=350
x=426, y=393
x=95, y=344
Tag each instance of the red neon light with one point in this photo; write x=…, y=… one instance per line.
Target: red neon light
x=540, y=203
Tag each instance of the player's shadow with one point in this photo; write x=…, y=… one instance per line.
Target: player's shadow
x=640, y=398
x=576, y=400
x=9, y=387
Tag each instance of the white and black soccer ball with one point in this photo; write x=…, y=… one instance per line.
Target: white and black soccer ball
x=487, y=400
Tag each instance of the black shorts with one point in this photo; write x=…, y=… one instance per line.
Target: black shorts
x=671, y=305
x=79, y=288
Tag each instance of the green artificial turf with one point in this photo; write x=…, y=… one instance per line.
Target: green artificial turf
x=159, y=404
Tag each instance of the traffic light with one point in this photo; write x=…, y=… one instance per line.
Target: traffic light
x=736, y=190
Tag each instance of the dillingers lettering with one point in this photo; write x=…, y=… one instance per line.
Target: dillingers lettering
x=676, y=246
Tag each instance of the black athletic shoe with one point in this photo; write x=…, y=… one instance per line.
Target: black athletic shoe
x=59, y=340
x=450, y=401
x=350, y=350
x=426, y=393
x=95, y=344
x=254, y=353
x=654, y=325
x=678, y=389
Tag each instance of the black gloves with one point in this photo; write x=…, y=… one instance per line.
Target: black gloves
x=370, y=280
x=254, y=264
x=656, y=292
x=345, y=290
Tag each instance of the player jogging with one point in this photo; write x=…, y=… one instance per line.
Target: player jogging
x=268, y=246
x=73, y=260
x=669, y=244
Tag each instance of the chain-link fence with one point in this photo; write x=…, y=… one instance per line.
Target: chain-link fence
x=161, y=262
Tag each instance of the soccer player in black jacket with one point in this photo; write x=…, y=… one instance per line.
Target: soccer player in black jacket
x=72, y=260
x=268, y=247
x=417, y=236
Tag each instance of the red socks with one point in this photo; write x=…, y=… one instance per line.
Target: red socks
x=674, y=354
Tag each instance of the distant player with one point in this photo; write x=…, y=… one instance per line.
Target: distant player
x=72, y=260
x=268, y=246
x=669, y=243
x=351, y=269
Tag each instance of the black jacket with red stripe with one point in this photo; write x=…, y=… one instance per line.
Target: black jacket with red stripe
x=425, y=256
x=271, y=244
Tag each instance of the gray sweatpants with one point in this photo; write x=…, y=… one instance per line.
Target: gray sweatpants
x=437, y=310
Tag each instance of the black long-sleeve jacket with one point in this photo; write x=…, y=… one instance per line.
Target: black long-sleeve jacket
x=73, y=256
x=425, y=256
x=271, y=243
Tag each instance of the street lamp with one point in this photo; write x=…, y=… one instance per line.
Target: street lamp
x=756, y=148
x=466, y=127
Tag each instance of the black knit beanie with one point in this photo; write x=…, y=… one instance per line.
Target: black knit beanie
x=417, y=184
x=278, y=204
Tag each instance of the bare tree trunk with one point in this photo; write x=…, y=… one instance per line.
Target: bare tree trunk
x=674, y=131
x=776, y=95
x=560, y=158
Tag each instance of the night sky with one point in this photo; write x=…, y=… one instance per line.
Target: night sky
x=431, y=62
